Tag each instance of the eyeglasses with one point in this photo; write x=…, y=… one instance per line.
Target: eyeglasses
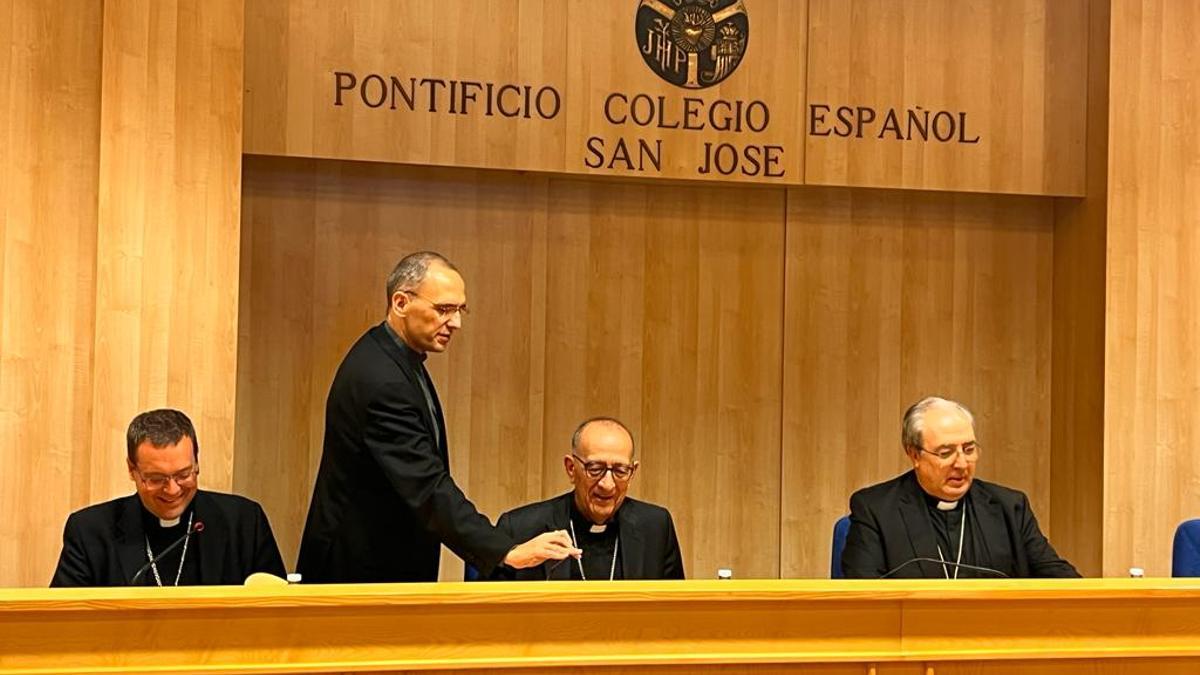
x=970, y=451
x=158, y=481
x=444, y=310
x=596, y=470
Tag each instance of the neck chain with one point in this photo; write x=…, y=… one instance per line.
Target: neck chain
x=612, y=570
x=962, y=529
x=182, y=556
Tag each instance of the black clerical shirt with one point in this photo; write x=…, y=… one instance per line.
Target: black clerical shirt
x=599, y=548
x=168, y=566
x=948, y=527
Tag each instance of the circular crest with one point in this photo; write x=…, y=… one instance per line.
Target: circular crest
x=692, y=43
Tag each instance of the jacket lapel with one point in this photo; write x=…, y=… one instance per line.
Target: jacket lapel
x=633, y=559
x=560, y=517
x=211, y=547
x=130, y=538
x=918, y=529
x=413, y=372
x=994, y=534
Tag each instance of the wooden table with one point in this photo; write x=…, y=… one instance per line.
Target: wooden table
x=755, y=626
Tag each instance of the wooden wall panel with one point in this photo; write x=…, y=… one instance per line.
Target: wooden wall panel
x=1152, y=368
x=893, y=296
x=1017, y=69
x=656, y=305
x=1077, y=401
x=166, y=289
x=582, y=50
x=662, y=310
x=49, y=156
x=295, y=47
x=603, y=58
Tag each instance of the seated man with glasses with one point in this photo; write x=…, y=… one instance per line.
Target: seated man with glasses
x=621, y=538
x=938, y=520
x=169, y=533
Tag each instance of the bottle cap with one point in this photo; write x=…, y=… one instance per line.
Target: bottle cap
x=1137, y=572
x=293, y=578
x=724, y=573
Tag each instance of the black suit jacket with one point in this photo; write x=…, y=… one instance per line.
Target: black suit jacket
x=105, y=544
x=648, y=545
x=384, y=500
x=890, y=524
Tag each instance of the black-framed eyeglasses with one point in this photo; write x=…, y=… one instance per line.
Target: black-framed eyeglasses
x=444, y=310
x=970, y=451
x=158, y=481
x=596, y=470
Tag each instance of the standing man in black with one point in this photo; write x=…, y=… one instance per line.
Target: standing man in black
x=384, y=499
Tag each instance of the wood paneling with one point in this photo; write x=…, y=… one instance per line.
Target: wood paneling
x=604, y=58
x=658, y=305
x=1077, y=400
x=49, y=157
x=1017, y=69
x=665, y=307
x=295, y=47
x=892, y=296
x=583, y=50
x=1152, y=364
x=166, y=289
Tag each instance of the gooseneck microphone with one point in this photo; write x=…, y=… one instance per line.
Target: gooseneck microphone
x=196, y=528
x=948, y=563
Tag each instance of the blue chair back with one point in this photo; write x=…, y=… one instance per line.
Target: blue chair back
x=840, y=528
x=1185, y=552
x=470, y=573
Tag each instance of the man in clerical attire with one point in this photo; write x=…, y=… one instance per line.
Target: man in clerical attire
x=938, y=520
x=385, y=501
x=170, y=533
x=620, y=538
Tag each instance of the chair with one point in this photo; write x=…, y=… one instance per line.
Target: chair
x=1185, y=552
x=470, y=573
x=840, y=528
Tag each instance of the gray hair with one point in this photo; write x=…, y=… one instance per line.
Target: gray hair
x=610, y=421
x=411, y=271
x=913, y=430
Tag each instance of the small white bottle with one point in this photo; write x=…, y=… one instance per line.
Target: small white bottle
x=1136, y=573
x=293, y=578
x=724, y=573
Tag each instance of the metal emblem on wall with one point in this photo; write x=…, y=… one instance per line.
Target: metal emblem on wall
x=692, y=43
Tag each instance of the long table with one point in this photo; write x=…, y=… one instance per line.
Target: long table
x=755, y=626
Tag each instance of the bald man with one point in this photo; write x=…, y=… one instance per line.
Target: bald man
x=620, y=537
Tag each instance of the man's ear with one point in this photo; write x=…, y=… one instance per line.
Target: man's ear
x=913, y=454
x=399, y=302
x=129, y=465
x=569, y=465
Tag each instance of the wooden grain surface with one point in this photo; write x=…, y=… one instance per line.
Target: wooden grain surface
x=698, y=624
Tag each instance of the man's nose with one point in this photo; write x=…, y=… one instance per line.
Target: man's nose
x=455, y=320
x=172, y=488
x=607, y=481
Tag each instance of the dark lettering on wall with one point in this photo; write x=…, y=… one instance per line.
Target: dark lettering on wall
x=453, y=97
x=892, y=124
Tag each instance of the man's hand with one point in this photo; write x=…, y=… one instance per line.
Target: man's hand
x=546, y=546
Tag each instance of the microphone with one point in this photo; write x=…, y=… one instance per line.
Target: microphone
x=196, y=528
x=948, y=563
